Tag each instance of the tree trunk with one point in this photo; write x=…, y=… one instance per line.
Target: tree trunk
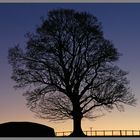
x=77, y=130
x=77, y=117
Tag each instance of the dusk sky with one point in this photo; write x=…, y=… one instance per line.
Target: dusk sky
x=121, y=25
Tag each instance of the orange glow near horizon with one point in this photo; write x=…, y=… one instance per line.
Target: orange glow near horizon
x=111, y=121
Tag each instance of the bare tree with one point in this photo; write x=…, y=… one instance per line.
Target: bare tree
x=69, y=67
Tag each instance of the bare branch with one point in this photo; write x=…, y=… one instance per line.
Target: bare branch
x=70, y=68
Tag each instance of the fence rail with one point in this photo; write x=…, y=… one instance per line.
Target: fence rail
x=104, y=133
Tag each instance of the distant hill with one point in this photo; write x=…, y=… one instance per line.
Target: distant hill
x=25, y=129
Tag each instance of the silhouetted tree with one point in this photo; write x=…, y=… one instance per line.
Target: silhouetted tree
x=69, y=68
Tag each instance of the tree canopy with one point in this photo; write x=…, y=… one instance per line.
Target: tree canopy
x=70, y=68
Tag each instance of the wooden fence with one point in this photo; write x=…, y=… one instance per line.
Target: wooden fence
x=104, y=133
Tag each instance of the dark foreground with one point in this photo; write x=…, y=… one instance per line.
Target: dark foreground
x=25, y=129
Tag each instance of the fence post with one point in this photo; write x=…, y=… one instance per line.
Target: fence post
x=86, y=132
x=120, y=133
x=95, y=133
x=104, y=132
x=125, y=132
x=132, y=133
x=112, y=132
x=90, y=131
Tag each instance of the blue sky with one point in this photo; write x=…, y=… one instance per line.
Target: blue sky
x=121, y=24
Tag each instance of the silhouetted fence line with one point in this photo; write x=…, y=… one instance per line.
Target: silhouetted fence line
x=104, y=133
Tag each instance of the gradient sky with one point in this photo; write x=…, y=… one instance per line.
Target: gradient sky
x=121, y=24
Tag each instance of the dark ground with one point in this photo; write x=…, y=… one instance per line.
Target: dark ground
x=25, y=129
